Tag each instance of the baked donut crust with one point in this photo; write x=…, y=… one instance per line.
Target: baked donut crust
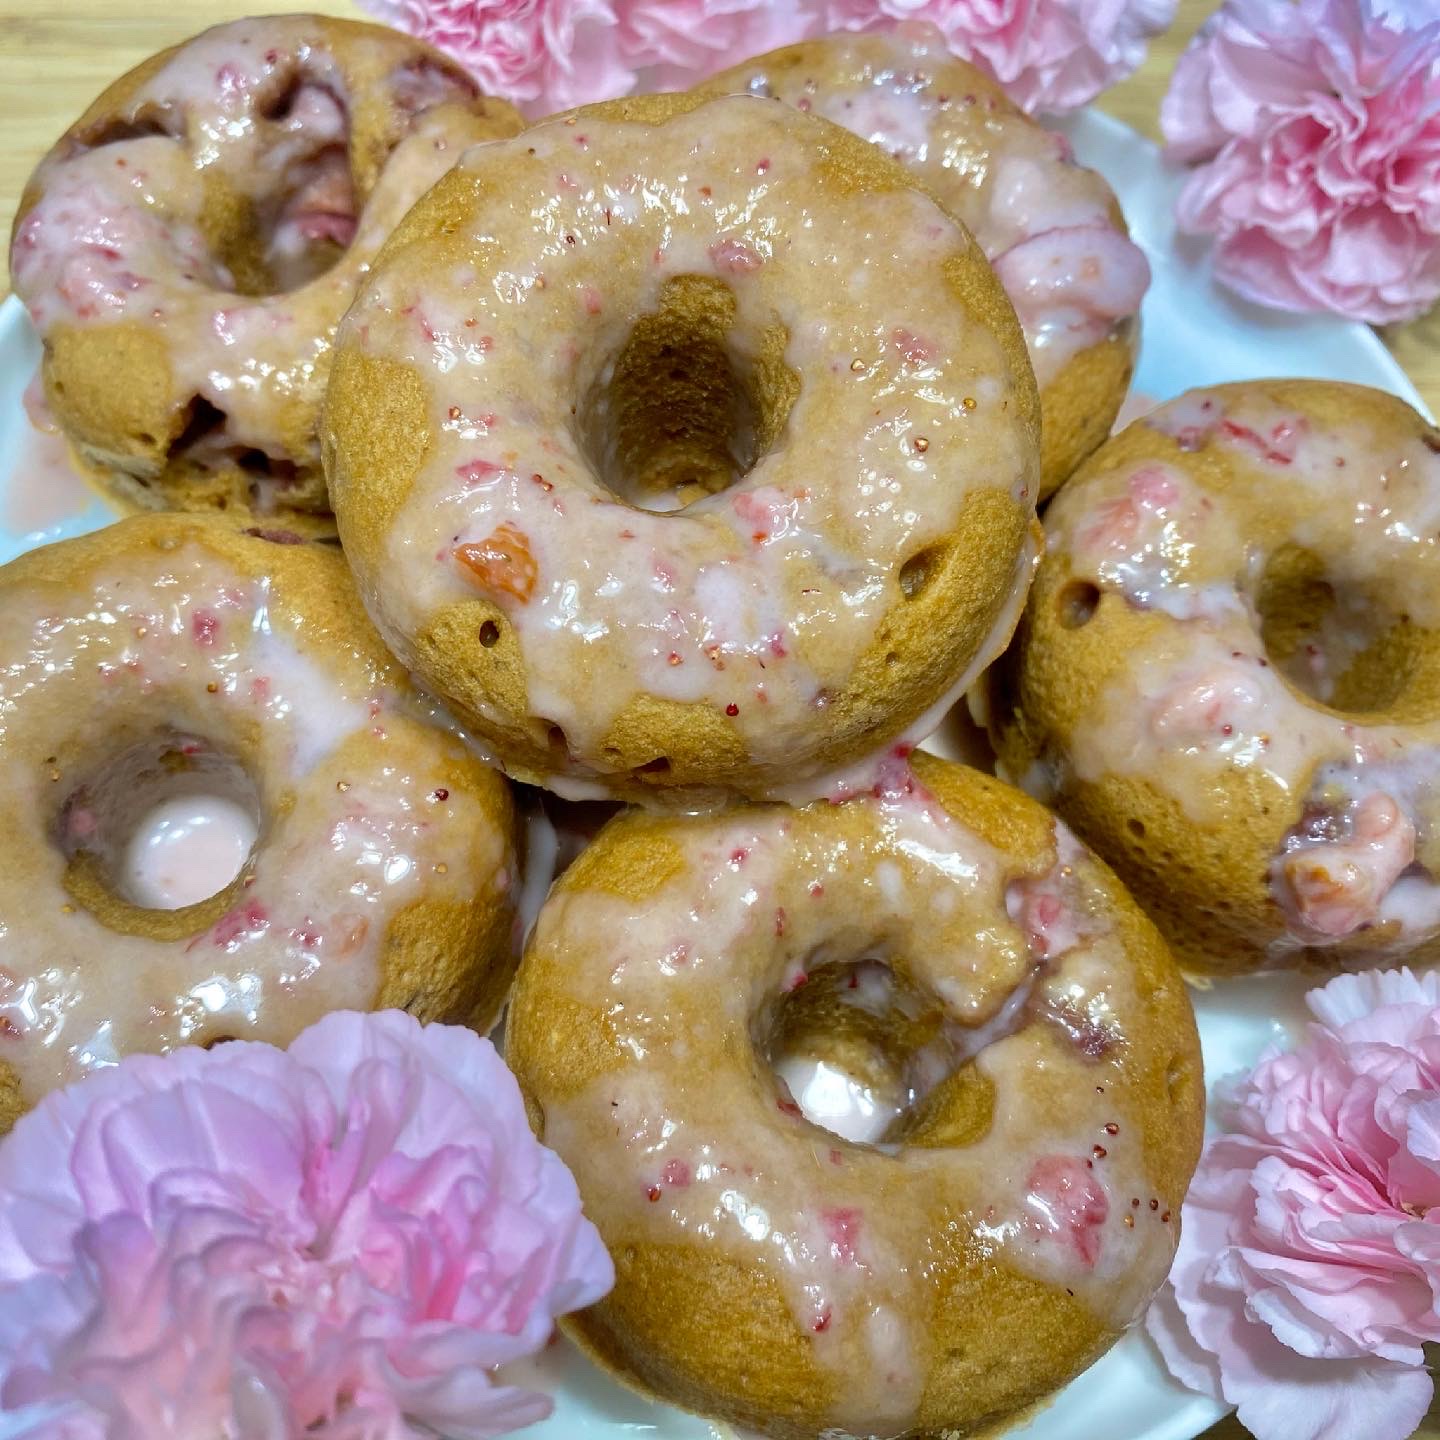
x=200, y=230
x=1228, y=675
x=1078, y=280
x=499, y=462
x=1022, y=1210
x=166, y=648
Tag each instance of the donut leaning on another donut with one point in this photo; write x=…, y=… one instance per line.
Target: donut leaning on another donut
x=1228, y=675
x=685, y=448
x=188, y=246
x=1013, y=1220
x=170, y=656
x=1052, y=229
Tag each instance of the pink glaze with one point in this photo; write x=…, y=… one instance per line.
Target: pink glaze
x=1046, y=223
x=163, y=662
x=758, y=600
x=688, y=1139
x=1200, y=700
x=260, y=108
x=187, y=849
x=44, y=488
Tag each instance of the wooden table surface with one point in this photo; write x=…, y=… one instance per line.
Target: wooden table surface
x=55, y=57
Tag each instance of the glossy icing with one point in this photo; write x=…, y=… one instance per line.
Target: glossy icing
x=160, y=677
x=756, y=600
x=1046, y=223
x=1204, y=699
x=255, y=114
x=185, y=849
x=692, y=1139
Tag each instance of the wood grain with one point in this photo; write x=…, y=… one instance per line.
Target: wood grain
x=56, y=55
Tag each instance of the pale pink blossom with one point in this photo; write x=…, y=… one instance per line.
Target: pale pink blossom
x=1314, y=127
x=1308, y=1273
x=338, y=1241
x=674, y=43
x=543, y=55
x=1050, y=55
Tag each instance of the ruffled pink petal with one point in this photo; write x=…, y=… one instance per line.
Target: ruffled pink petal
x=342, y=1241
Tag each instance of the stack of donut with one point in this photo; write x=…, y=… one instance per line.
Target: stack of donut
x=684, y=453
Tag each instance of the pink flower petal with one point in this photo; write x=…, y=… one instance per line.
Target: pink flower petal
x=342, y=1240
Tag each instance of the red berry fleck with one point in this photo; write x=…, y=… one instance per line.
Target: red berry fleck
x=842, y=1230
x=821, y=1323
x=442, y=794
x=203, y=626
x=1066, y=1202
x=732, y=709
x=653, y=1194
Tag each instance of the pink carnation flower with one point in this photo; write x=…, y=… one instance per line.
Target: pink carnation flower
x=1315, y=127
x=1050, y=55
x=674, y=43
x=1308, y=1273
x=338, y=1241
x=543, y=55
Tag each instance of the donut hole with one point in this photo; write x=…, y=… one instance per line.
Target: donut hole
x=687, y=405
x=299, y=225
x=149, y=121
x=866, y=1054
x=165, y=824
x=1336, y=642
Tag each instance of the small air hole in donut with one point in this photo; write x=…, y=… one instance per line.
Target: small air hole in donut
x=915, y=573
x=281, y=105
x=660, y=765
x=891, y=657
x=215, y=1040
x=555, y=738
x=203, y=421
x=1077, y=604
x=489, y=634
x=143, y=437
x=1136, y=827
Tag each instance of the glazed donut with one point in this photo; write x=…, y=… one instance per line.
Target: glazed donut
x=1004, y=1229
x=658, y=480
x=1228, y=677
x=1052, y=229
x=200, y=231
x=171, y=656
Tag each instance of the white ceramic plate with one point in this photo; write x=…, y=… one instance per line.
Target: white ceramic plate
x=1194, y=334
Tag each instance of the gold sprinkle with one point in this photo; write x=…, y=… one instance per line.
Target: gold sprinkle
x=54, y=775
x=342, y=786
x=540, y=279
x=569, y=119
x=921, y=444
x=1129, y=1222
x=67, y=909
x=968, y=402
x=441, y=868
x=857, y=365
x=141, y=632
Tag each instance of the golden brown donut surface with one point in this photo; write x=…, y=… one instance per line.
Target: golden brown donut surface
x=1228, y=677
x=685, y=447
x=1013, y=1219
x=188, y=246
x=168, y=655
x=1052, y=229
